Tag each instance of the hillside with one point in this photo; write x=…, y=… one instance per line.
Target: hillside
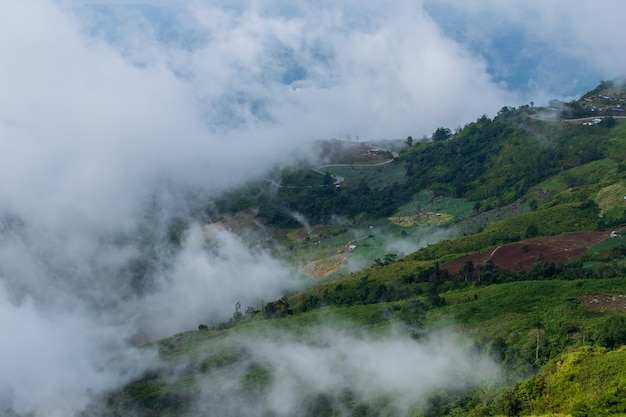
x=490, y=249
x=586, y=381
x=487, y=171
x=521, y=325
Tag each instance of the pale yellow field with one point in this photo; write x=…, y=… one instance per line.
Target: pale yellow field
x=427, y=218
x=322, y=268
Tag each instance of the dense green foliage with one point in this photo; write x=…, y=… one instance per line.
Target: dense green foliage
x=499, y=160
x=319, y=204
x=493, y=162
x=585, y=382
x=525, y=326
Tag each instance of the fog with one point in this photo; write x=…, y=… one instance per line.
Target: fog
x=119, y=123
x=539, y=48
x=328, y=366
x=419, y=238
x=205, y=287
x=56, y=362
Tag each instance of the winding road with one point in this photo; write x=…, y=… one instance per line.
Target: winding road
x=337, y=180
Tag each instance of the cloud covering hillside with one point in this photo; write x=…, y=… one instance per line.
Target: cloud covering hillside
x=117, y=120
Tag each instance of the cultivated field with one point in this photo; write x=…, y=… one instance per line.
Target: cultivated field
x=521, y=256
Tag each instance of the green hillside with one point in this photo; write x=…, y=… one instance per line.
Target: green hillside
x=586, y=381
x=554, y=326
x=521, y=325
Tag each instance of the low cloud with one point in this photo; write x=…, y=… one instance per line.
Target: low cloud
x=561, y=50
x=54, y=363
x=214, y=270
x=327, y=367
x=113, y=133
x=74, y=306
x=418, y=239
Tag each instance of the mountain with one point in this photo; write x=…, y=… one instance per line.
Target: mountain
x=477, y=272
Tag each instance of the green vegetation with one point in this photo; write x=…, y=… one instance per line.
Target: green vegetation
x=549, y=221
x=525, y=326
x=588, y=381
x=302, y=178
x=427, y=201
x=557, y=330
x=375, y=176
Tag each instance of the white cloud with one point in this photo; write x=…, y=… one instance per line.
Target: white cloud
x=204, y=286
x=54, y=362
x=101, y=121
x=582, y=31
x=383, y=72
x=419, y=238
x=325, y=366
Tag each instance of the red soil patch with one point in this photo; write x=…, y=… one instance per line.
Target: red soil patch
x=521, y=256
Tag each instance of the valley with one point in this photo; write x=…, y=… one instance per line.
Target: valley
x=514, y=246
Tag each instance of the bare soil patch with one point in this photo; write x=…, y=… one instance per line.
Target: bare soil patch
x=598, y=302
x=341, y=152
x=523, y=255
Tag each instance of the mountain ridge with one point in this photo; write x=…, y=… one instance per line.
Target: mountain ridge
x=515, y=286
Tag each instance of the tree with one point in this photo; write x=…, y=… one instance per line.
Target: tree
x=504, y=111
x=467, y=270
x=509, y=403
x=608, y=122
x=250, y=312
x=278, y=308
x=532, y=230
x=442, y=133
x=409, y=141
x=328, y=179
x=612, y=332
x=237, y=315
x=386, y=260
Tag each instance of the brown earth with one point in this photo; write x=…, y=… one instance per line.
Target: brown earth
x=523, y=255
x=598, y=302
x=342, y=152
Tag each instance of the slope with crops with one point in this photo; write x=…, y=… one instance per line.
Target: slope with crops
x=528, y=248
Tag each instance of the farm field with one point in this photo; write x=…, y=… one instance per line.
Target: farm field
x=520, y=256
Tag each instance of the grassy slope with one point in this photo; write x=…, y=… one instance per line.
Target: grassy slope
x=526, y=324
x=509, y=315
x=585, y=381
